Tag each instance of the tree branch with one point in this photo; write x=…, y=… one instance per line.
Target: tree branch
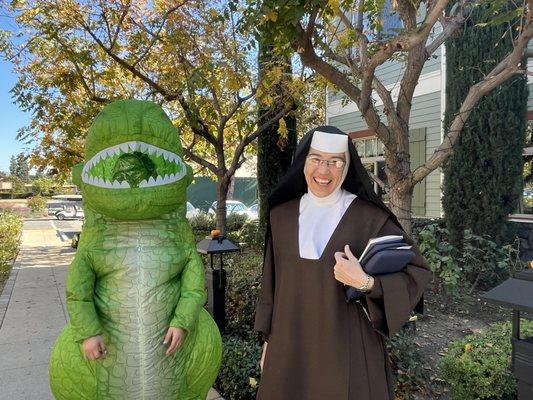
x=507, y=68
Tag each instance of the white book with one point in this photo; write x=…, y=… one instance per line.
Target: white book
x=379, y=240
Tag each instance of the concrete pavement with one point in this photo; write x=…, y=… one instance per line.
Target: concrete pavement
x=33, y=312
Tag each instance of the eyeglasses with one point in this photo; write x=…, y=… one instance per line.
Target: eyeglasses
x=315, y=162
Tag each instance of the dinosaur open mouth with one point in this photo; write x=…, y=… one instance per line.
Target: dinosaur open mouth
x=133, y=164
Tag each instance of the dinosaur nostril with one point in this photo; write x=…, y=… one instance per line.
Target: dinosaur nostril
x=134, y=168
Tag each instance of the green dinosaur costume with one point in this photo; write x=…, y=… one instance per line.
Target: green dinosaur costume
x=136, y=271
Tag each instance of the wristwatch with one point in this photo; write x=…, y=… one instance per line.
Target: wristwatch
x=366, y=286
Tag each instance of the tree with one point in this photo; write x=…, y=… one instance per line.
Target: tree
x=276, y=148
x=77, y=56
x=483, y=177
x=43, y=186
x=346, y=42
x=18, y=167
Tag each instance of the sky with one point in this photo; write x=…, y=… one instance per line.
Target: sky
x=12, y=118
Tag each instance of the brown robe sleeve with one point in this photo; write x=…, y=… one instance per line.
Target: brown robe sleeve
x=263, y=311
x=395, y=295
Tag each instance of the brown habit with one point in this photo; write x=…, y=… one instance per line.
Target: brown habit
x=319, y=346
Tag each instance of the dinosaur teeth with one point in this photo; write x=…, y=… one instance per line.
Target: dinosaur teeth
x=124, y=147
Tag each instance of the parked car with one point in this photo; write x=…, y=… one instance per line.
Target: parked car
x=191, y=211
x=254, y=210
x=74, y=212
x=232, y=207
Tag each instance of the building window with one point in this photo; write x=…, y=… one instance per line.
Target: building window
x=370, y=150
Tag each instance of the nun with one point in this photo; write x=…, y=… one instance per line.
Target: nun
x=318, y=346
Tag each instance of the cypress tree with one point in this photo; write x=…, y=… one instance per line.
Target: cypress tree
x=482, y=179
x=274, y=150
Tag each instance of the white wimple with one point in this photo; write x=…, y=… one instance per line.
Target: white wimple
x=128, y=147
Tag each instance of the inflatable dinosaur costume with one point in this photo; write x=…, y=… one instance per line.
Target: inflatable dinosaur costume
x=136, y=271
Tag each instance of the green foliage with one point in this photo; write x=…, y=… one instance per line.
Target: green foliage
x=18, y=167
x=239, y=374
x=480, y=263
x=202, y=222
x=235, y=221
x=10, y=231
x=37, y=203
x=478, y=366
x=17, y=185
x=439, y=253
x=406, y=364
x=482, y=179
x=485, y=263
x=251, y=234
x=43, y=186
x=242, y=291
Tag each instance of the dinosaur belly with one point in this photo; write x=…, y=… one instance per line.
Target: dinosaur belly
x=135, y=300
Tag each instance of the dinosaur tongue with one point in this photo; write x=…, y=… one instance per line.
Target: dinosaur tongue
x=134, y=168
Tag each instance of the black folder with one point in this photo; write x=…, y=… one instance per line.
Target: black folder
x=382, y=259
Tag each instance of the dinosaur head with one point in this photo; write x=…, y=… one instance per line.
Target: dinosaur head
x=134, y=166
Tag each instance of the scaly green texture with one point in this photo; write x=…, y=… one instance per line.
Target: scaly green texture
x=136, y=271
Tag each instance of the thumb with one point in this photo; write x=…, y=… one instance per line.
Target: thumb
x=168, y=336
x=349, y=253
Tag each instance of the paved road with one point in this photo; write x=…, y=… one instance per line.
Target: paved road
x=33, y=312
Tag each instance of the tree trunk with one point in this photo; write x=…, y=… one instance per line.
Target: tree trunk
x=222, y=194
x=398, y=170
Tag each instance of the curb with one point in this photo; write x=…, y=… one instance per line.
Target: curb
x=5, y=296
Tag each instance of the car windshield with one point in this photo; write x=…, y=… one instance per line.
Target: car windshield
x=238, y=207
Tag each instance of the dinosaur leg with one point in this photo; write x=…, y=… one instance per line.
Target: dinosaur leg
x=204, y=361
x=72, y=377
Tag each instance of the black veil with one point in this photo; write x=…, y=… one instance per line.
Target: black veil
x=293, y=184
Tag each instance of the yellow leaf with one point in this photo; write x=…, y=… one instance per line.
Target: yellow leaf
x=213, y=13
x=282, y=130
x=273, y=16
x=334, y=4
x=253, y=382
x=468, y=347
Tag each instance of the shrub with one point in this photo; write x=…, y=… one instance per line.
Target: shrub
x=37, y=203
x=235, y=222
x=440, y=256
x=251, y=235
x=238, y=377
x=43, y=186
x=485, y=263
x=10, y=231
x=202, y=221
x=406, y=364
x=481, y=262
x=478, y=366
x=242, y=291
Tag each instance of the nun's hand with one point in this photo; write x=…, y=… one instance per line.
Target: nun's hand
x=348, y=270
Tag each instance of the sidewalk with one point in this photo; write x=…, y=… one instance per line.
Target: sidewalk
x=32, y=313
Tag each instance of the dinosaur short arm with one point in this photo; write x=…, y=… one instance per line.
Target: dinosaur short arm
x=80, y=299
x=193, y=295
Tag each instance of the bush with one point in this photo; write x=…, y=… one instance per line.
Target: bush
x=37, y=203
x=242, y=291
x=478, y=366
x=485, y=263
x=251, y=235
x=480, y=263
x=239, y=373
x=43, y=186
x=406, y=364
x=202, y=221
x=440, y=255
x=235, y=222
x=10, y=231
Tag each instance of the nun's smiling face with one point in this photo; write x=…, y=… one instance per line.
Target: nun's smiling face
x=323, y=171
